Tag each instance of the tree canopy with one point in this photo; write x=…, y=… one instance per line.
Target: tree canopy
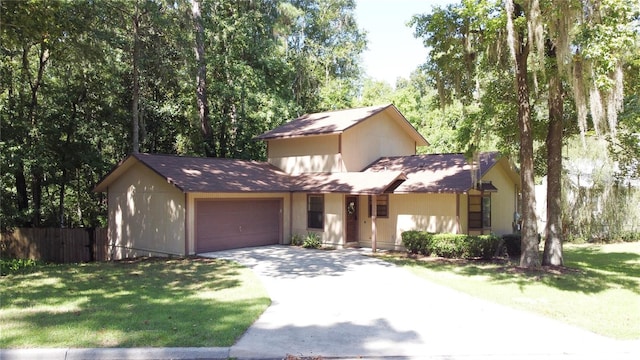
x=84, y=83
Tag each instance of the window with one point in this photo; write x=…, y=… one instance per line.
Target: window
x=479, y=211
x=315, y=211
x=486, y=211
x=382, y=205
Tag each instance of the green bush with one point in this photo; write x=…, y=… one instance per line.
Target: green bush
x=459, y=246
x=312, y=241
x=417, y=242
x=482, y=246
x=449, y=245
x=10, y=266
x=512, y=242
x=296, y=240
x=630, y=236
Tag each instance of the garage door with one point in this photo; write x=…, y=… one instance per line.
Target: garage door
x=230, y=224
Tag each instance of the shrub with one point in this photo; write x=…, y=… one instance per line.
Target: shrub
x=312, y=241
x=458, y=246
x=482, y=246
x=417, y=242
x=512, y=242
x=296, y=240
x=630, y=236
x=10, y=266
x=449, y=245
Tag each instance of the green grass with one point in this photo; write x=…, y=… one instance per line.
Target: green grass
x=599, y=289
x=143, y=303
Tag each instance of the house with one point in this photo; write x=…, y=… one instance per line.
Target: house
x=351, y=176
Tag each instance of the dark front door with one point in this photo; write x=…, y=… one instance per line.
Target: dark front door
x=351, y=203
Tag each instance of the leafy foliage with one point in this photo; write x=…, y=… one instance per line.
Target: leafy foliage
x=312, y=241
x=459, y=246
x=512, y=243
x=599, y=202
x=67, y=85
x=418, y=242
x=15, y=266
x=296, y=239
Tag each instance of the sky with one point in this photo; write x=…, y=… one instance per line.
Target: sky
x=392, y=51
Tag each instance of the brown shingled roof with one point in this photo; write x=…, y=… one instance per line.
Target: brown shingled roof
x=435, y=173
x=336, y=122
x=322, y=123
x=193, y=174
x=348, y=182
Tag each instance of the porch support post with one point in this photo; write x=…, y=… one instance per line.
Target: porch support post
x=374, y=215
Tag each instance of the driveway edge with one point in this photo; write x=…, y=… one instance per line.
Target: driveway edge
x=210, y=353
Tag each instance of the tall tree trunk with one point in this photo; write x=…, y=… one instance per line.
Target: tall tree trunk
x=135, y=123
x=553, y=239
x=530, y=257
x=21, y=187
x=34, y=139
x=201, y=79
x=36, y=193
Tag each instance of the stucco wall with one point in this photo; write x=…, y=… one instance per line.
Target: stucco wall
x=357, y=147
x=334, y=220
x=299, y=214
x=146, y=215
x=192, y=197
x=429, y=212
x=503, y=202
x=373, y=138
x=308, y=154
x=333, y=232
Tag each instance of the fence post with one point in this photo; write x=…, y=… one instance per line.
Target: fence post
x=92, y=241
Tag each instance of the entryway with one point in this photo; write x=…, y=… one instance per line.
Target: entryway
x=351, y=214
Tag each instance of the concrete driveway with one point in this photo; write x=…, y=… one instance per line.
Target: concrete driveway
x=341, y=303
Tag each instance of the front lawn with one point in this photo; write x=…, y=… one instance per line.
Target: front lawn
x=142, y=303
x=598, y=290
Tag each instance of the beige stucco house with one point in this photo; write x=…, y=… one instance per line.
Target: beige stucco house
x=352, y=176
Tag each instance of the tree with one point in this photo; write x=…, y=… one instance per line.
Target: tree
x=467, y=40
x=592, y=62
x=84, y=83
x=201, y=78
x=520, y=45
x=540, y=34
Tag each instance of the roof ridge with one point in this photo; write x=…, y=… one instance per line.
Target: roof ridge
x=381, y=106
x=196, y=157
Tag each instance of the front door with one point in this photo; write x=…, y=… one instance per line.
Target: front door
x=351, y=203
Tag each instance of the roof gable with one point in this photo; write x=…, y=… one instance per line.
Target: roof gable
x=336, y=122
x=192, y=174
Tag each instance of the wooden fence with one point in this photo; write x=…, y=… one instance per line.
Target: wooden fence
x=56, y=245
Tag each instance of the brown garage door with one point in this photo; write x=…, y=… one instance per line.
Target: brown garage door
x=230, y=224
